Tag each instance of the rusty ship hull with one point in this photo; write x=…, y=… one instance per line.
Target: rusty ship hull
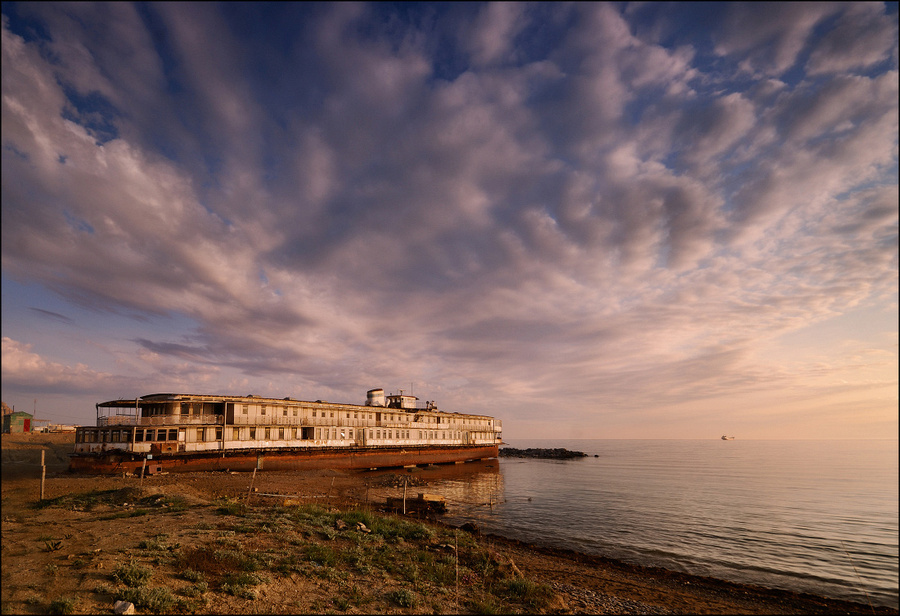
x=349, y=458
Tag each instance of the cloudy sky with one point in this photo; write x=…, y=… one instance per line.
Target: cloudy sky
x=590, y=220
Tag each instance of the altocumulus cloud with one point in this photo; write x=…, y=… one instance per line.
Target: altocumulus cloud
x=610, y=214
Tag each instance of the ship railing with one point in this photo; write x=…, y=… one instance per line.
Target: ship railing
x=159, y=420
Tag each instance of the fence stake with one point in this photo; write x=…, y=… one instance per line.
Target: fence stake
x=43, y=473
x=252, y=479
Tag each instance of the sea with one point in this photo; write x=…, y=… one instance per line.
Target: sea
x=812, y=516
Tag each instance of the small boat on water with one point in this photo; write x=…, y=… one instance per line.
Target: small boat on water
x=727, y=438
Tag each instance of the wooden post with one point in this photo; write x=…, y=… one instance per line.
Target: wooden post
x=456, y=553
x=252, y=479
x=405, y=481
x=43, y=473
x=143, y=466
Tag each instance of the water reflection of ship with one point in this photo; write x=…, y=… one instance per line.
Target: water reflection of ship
x=465, y=487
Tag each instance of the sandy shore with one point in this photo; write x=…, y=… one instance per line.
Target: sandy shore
x=93, y=542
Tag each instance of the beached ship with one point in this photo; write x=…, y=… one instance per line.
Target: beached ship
x=727, y=438
x=188, y=432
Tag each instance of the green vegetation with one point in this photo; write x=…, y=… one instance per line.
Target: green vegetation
x=406, y=564
x=157, y=600
x=135, y=501
x=132, y=574
x=63, y=605
x=402, y=597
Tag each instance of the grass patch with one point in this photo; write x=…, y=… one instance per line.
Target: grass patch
x=228, y=506
x=240, y=585
x=158, y=544
x=402, y=597
x=192, y=576
x=322, y=555
x=532, y=594
x=197, y=590
x=484, y=605
x=159, y=600
x=63, y=605
x=210, y=559
x=132, y=575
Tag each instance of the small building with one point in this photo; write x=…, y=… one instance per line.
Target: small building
x=16, y=422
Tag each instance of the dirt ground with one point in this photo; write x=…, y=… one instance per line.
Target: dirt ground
x=54, y=551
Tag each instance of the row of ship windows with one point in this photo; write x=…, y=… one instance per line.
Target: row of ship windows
x=188, y=408
x=388, y=417
x=142, y=435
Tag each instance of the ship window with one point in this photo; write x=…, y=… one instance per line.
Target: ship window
x=332, y=414
x=378, y=434
x=245, y=408
x=284, y=412
x=355, y=415
x=139, y=435
x=281, y=433
x=236, y=434
x=268, y=434
x=295, y=411
x=262, y=409
x=343, y=434
x=161, y=435
x=173, y=434
x=351, y=433
x=252, y=434
x=115, y=436
x=370, y=434
x=201, y=435
x=294, y=431
x=218, y=434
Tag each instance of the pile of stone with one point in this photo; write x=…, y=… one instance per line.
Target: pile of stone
x=532, y=452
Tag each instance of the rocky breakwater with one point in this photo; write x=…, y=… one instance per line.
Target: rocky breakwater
x=535, y=452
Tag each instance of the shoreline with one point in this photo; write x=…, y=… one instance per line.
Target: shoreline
x=748, y=594
x=583, y=583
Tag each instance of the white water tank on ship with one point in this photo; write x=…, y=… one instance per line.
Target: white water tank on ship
x=375, y=397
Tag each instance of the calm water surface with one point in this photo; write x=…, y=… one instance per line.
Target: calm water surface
x=808, y=516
